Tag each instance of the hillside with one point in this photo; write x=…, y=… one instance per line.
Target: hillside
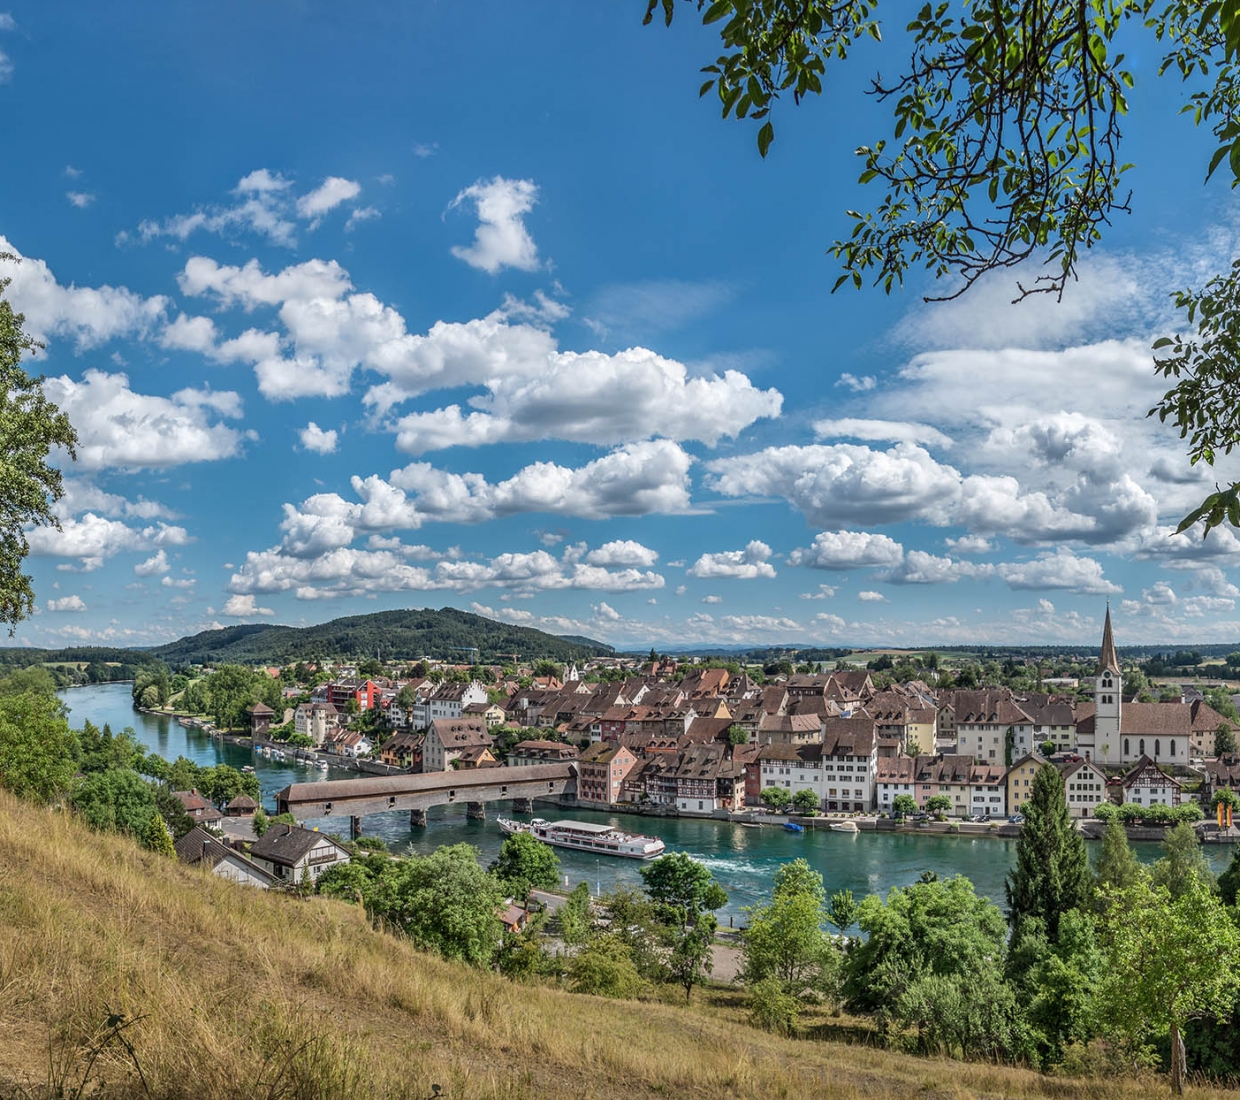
x=236, y=992
x=443, y=634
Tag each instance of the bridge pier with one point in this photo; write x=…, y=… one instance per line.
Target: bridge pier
x=476, y=811
x=355, y=827
x=522, y=805
x=417, y=819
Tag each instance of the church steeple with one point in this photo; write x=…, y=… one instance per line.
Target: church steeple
x=1108, y=661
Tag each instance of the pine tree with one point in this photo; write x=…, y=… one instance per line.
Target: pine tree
x=1052, y=872
x=157, y=838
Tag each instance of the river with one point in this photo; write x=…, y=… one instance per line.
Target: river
x=743, y=860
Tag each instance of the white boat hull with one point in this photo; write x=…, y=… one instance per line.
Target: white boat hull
x=595, y=840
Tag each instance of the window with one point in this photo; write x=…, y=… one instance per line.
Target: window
x=1141, y=746
x=1172, y=748
x=1157, y=748
x=1127, y=750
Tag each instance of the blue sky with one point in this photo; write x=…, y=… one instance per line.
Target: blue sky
x=479, y=305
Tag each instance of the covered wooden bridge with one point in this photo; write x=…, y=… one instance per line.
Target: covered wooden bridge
x=354, y=798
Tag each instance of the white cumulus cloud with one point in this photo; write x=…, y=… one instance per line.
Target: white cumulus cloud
x=314, y=438
x=754, y=561
x=501, y=239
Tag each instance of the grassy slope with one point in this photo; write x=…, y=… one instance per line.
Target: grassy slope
x=249, y=994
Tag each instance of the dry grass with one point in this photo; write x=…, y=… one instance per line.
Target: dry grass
x=237, y=993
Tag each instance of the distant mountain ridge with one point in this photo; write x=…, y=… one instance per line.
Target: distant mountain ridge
x=445, y=634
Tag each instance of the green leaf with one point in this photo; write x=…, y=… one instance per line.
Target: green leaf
x=765, y=136
x=716, y=11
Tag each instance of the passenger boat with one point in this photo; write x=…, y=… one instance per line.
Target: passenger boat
x=586, y=836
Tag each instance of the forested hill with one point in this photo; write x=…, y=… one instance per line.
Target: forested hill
x=443, y=634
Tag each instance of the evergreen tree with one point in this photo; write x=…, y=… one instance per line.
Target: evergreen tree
x=157, y=838
x=1118, y=868
x=1052, y=872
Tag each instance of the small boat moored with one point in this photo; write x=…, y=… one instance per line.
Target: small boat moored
x=587, y=836
x=844, y=826
x=793, y=827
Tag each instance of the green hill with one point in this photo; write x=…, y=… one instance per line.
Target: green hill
x=446, y=634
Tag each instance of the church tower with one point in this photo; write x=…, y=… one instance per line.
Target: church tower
x=1108, y=687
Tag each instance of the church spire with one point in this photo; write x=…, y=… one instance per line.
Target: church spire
x=1107, y=659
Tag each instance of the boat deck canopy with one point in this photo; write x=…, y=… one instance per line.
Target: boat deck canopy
x=582, y=826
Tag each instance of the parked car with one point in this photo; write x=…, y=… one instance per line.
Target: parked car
x=1016, y=819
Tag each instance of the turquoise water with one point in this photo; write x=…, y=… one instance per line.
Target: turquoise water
x=743, y=860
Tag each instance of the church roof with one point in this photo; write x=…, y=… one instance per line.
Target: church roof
x=1107, y=658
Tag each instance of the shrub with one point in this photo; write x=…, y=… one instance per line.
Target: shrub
x=772, y=1009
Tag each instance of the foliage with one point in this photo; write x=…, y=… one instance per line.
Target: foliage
x=1225, y=740
x=806, y=801
x=771, y=1009
x=934, y=927
x=785, y=940
x=605, y=968
x=1168, y=960
x=738, y=735
x=842, y=910
x=938, y=804
x=444, y=902
x=34, y=679
x=157, y=838
x=1005, y=146
x=689, y=958
x=976, y=1018
x=118, y=800
x=903, y=805
x=1183, y=866
x=1052, y=872
x=411, y=631
x=1118, y=867
x=634, y=920
x=526, y=864
x=775, y=798
x=37, y=748
x=682, y=887
x=576, y=916
x=30, y=427
x=261, y=822
x=1229, y=880
x=172, y=811
x=1057, y=983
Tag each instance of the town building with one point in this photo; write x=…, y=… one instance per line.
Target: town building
x=447, y=738
x=198, y=848
x=601, y=772
x=1148, y=785
x=1084, y=787
x=293, y=854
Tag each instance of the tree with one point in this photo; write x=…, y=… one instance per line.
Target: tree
x=526, y=864
x=1168, y=961
x=806, y=800
x=842, y=910
x=903, y=805
x=986, y=166
x=37, y=748
x=775, y=798
x=1052, y=872
x=1224, y=740
x=929, y=929
x=682, y=887
x=576, y=916
x=938, y=804
x=738, y=735
x=118, y=801
x=1183, y=865
x=444, y=902
x=260, y=822
x=784, y=939
x=1048, y=748
x=605, y=968
x=30, y=426
x=1118, y=867
x=157, y=838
